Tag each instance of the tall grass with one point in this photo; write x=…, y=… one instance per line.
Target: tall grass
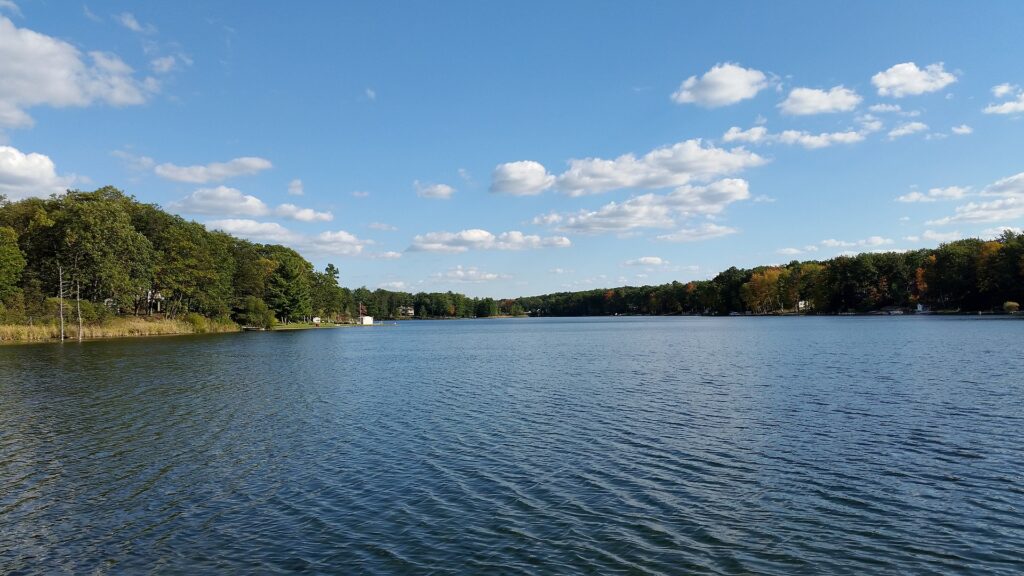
x=116, y=328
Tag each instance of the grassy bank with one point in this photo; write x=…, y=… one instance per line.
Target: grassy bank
x=115, y=328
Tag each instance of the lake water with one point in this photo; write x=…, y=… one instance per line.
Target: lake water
x=633, y=445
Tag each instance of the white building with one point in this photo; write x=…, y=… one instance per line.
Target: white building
x=366, y=320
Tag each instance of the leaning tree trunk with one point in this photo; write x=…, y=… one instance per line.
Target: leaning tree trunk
x=60, y=283
x=78, y=305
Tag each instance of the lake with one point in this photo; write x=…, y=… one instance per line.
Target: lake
x=603, y=445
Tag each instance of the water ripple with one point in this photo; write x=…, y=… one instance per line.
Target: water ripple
x=640, y=446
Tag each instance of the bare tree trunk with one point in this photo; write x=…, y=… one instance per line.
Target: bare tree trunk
x=60, y=282
x=78, y=305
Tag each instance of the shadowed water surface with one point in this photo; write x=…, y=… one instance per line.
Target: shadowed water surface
x=619, y=445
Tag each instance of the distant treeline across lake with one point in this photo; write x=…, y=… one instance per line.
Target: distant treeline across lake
x=96, y=258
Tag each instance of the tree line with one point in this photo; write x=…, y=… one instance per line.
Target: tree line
x=89, y=256
x=966, y=275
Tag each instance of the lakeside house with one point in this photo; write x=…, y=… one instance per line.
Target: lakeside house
x=365, y=321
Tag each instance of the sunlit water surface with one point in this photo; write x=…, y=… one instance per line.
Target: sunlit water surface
x=618, y=445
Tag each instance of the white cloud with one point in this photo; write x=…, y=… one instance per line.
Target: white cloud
x=39, y=70
x=468, y=274
x=253, y=230
x=302, y=214
x=1015, y=106
x=360, y=194
x=941, y=236
x=213, y=172
x=340, y=243
x=135, y=162
x=1004, y=90
x=654, y=210
x=128, y=20
x=804, y=101
x=1012, y=186
x=164, y=64
x=295, y=188
x=647, y=261
x=389, y=255
x=883, y=108
x=906, y=79
x=477, y=239
x=906, y=129
x=33, y=174
x=370, y=94
x=962, y=130
x=393, y=285
x=823, y=140
x=702, y=232
x=997, y=231
x=752, y=135
x=221, y=201
x=382, y=227
x=724, y=84
x=1010, y=208
x=523, y=178
x=226, y=201
x=789, y=251
x=436, y=191
x=948, y=193
x=10, y=6
x=660, y=168
x=871, y=241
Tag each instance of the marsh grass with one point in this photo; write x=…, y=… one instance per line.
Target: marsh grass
x=116, y=328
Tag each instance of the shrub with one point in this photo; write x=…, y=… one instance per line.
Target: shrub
x=1011, y=307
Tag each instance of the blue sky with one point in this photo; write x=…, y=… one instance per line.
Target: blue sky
x=526, y=148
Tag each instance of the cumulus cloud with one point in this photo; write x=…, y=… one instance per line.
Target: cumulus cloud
x=674, y=165
x=393, y=285
x=389, y=255
x=1004, y=90
x=652, y=210
x=805, y=101
x=703, y=232
x=948, y=193
x=822, y=140
x=339, y=243
x=1015, y=106
x=477, y=239
x=997, y=231
x=295, y=188
x=884, y=108
x=302, y=214
x=941, y=236
x=646, y=261
x=870, y=242
x=254, y=230
x=724, y=84
x=221, y=201
x=226, y=201
x=523, y=178
x=906, y=79
x=962, y=130
x=468, y=274
x=10, y=6
x=752, y=135
x=213, y=172
x=906, y=129
x=40, y=70
x=436, y=191
x=32, y=174
x=1008, y=204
